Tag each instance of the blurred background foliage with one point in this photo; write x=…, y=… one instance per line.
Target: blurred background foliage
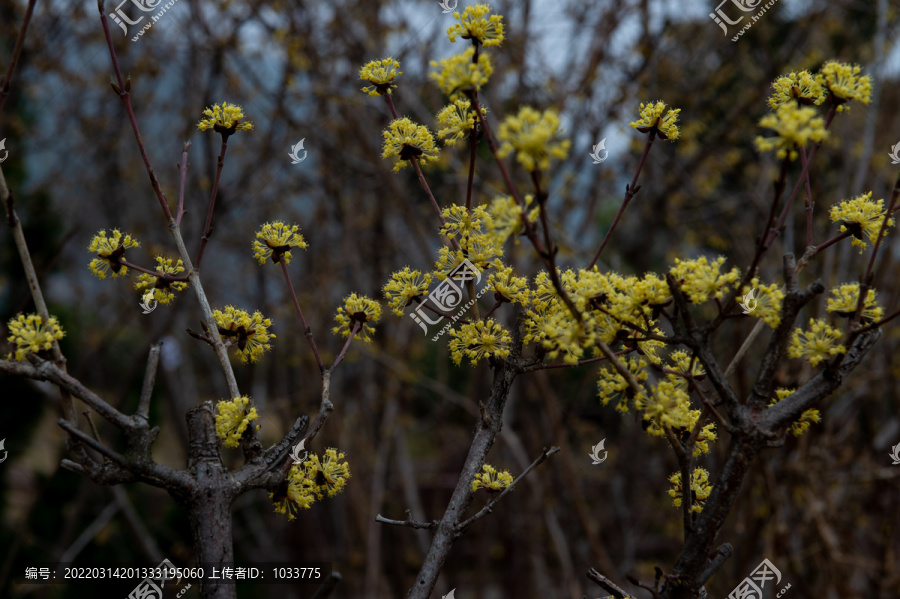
x=822, y=508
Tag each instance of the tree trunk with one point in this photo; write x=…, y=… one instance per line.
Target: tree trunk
x=209, y=504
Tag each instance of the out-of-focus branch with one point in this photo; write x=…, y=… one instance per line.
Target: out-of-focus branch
x=607, y=584
x=37, y=295
x=17, y=51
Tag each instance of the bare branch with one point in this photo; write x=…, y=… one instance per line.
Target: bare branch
x=461, y=528
x=408, y=522
x=608, y=585
x=143, y=410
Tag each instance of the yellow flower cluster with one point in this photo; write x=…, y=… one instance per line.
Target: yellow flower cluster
x=478, y=248
x=667, y=406
x=232, y=419
x=405, y=285
x=795, y=125
x=249, y=333
x=653, y=119
x=491, y=480
x=312, y=479
x=380, y=74
x=357, y=309
x=407, y=140
x=457, y=120
x=462, y=222
x=700, y=280
x=797, y=88
x=224, y=118
x=459, y=74
x=476, y=25
x=110, y=250
x=297, y=495
x=861, y=216
x=277, y=241
x=30, y=334
x=505, y=218
x=612, y=386
x=846, y=298
x=700, y=488
x=163, y=290
x=534, y=136
x=685, y=366
x=808, y=416
x=844, y=83
x=477, y=340
x=817, y=344
x=510, y=287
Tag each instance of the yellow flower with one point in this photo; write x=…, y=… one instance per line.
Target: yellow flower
x=250, y=333
x=329, y=474
x=511, y=289
x=277, y=241
x=477, y=340
x=298, y=491
x=535, y=137
x=381, y=74
x=361, y=309
x=490, y=480
x=802, y=424
x=457, y=120
x=768, y=302
x=162, y=287
x=796, y=88
x=474, y=24
x=612, y=385
x=845, y=299
x=30, y=334
x=861, y=216
x=652, y=119
x=407, y=140
x=844, y=83
x=405, y=285
x=232, y=419
x=224, y=119
x=817, y=344
x=681, y=363
x=706, y=435
x=462, y=222
x=700, y=489
x=668, y=405
x=458, y=74
x=505, y=218
x=640, y=297
x=795, y=126
x=477, y=248
x=700, y=280
x=109, y=251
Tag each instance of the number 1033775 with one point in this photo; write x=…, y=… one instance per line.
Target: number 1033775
x=299, y=573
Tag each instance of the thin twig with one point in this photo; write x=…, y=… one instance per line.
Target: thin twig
x=408, y=522
x=208, y=228
x=306, y=327
x=630, y=191
x=183, y=172
x=461, y=528
x=17, y=51
x=356, y=326
x=607, y=584
x=122, y=88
